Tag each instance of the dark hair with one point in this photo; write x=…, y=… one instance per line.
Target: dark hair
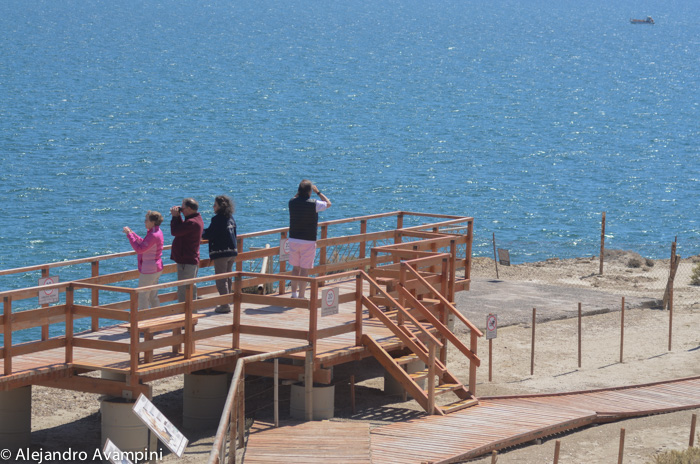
x=191, y=203
x=304, y=188
x=155, y=217
x=226, y=206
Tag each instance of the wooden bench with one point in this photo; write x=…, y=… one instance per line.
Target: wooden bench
x=175, y=323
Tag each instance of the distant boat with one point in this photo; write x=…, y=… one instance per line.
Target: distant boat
x=648, y=20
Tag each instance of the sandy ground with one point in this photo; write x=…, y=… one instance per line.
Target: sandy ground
x=62, y=419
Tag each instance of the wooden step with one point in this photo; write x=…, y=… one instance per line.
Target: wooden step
x=409, y=358
x=447, y=388
x=420, y=375
x=459, y=405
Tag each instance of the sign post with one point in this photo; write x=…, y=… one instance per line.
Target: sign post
x=491, y=328
x=160, y=425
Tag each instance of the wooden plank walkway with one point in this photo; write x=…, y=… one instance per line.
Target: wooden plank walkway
x=301, y=442
x=496, y=423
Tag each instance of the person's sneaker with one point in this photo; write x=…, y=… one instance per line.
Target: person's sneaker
x=223, y=309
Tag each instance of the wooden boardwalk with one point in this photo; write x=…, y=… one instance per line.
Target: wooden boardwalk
x=496, y=423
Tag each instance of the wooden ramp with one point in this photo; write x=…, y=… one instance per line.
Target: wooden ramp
x=309, y=442
x=499, y=422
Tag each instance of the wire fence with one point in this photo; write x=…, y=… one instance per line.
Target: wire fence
x=624, y=271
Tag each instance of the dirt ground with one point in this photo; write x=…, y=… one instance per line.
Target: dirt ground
x=63, y=419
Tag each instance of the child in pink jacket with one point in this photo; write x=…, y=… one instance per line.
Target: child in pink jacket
x=150, y=251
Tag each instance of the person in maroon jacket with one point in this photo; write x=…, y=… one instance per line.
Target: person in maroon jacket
x=185, y=248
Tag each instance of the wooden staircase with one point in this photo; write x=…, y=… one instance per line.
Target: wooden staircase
x=417, y=323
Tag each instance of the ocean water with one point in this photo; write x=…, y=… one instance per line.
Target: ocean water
x=532, y=117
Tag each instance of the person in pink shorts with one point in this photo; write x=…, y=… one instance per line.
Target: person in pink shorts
x=303, y=225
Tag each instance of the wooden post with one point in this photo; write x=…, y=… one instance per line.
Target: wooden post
x=495, y=258
x=283, y=267
x=557, y=446
x=494, y=457
x=277, y=392
x=532, y=350
x=241, y=411
x=45, y=327
x=622, y=328
x=7, y=333
x=431, y=378
x=189, y=336
x=313, y=317
x=237, y=303
x=579, y=335
x=622, y=446
x=693, y=420
x=239, y=248
x=453, y=270
x=134, y=332
x=363, y=243
x=399, y=220
x=473, y=340
x=675, y=260
x=602, y=243
x=490, y=359
x=323, y=254
x=352, y=393
x=95, y=322
x=358, y=310
x=69, y=324
x=309, y=385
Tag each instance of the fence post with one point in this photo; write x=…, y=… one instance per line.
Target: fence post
x=602, y=243
x=363, y=243
x=95, y=271
x=7, y=333
x=579, y=335
x=495, y=258
x=693, y=420
x=622, y=329
x=532, y=350
x=45, y=327
x=283, y=267
x=69, y=324
x=622, y=446
x=323, y=255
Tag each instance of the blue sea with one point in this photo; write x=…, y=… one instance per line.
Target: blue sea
x=532, y=117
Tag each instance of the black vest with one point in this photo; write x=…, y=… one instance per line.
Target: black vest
x=303, y=219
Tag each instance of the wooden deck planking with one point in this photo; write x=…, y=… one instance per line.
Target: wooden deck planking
x=303, y=442
x=329, y=350
x=503, y=422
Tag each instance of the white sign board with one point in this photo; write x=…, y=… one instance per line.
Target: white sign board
x=160, y=425
x=284, y=249
x=491, y=326
x=329, y=298
x=50, y=295
x=114, y=454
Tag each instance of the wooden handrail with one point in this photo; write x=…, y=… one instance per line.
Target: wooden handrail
x=218, y=450
x=444, y=300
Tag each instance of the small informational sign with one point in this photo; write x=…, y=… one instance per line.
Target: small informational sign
x=491, y=326
x=329, y=305
x=49, y=295
x=113, y=454
x=284, y=249
x=503, y=257
x=160, y=425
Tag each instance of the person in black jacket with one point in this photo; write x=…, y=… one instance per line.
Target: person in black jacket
x=221, y=234
x=303, y=225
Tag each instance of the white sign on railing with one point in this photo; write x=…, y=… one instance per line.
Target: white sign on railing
x=160, y=425
x=329, y=298
x=50, y=295
x=284, y=249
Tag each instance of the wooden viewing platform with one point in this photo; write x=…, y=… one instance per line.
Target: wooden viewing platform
x=395, y=290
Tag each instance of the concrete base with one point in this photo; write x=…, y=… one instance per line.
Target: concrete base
x=121, y=425
x=393, y=387
x=204, y=397
x=16, y=418
x=323, y=402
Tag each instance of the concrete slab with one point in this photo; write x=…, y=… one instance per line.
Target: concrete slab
x=513, y=301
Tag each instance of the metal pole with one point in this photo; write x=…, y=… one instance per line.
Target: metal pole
x=579, y=335
x=532, y=351
x=495, y=258
x=622, y=329
x=602, y=243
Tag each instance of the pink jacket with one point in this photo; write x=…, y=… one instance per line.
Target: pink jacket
x=149, y=250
